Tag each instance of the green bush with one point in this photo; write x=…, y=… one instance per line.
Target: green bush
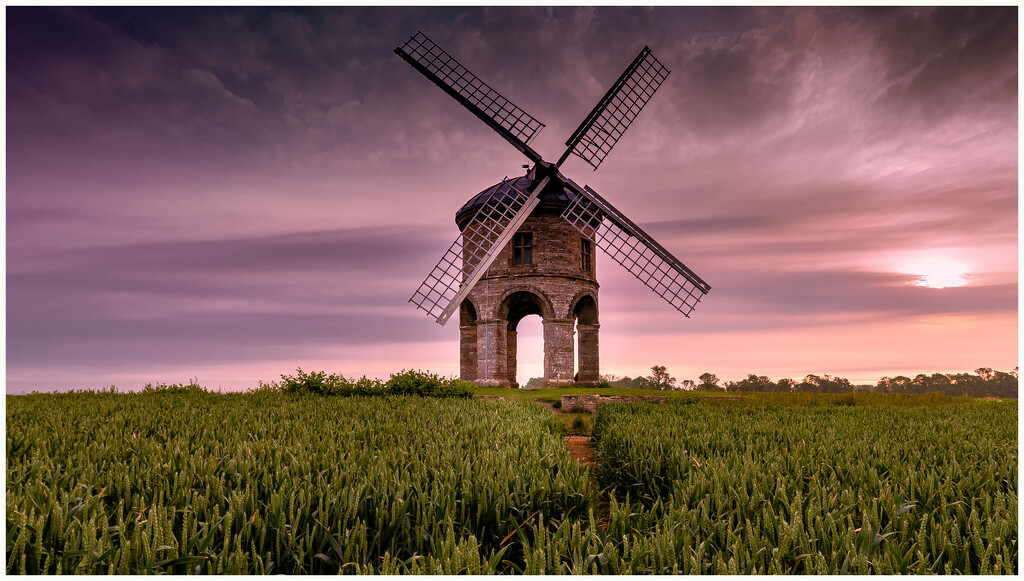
x=322, y=383
x=315, y=383
x=367, y=386
x=191, y=387
x=404, y=383
x=409, y=382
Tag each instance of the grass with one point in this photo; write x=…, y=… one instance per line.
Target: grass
x=271, y=482
x=553, y=394
x=813, y=485
x=179, y=480
x=578, y=423
x=859, y=398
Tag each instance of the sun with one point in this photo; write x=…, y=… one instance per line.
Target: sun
x=936, y=271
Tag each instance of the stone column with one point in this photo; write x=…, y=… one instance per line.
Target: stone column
x=512, y=356
x=589, y=372
x=467, y=352
x=558, y=350
x=492, y=352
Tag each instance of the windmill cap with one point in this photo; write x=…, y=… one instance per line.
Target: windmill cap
x=554, y=198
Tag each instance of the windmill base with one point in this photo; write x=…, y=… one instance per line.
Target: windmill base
x=548, y=270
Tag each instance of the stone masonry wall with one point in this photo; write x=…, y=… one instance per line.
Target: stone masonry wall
x=590, y=402
x=550, y=286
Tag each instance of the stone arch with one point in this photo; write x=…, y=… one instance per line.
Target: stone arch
x=516, y=303
x=584, y=307
x=467, y=340
x=584, y=313
x=467, y=312
x=523, y=298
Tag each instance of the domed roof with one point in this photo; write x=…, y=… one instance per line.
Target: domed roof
x=554, y=197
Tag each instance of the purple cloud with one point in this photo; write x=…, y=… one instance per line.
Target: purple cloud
x=227, y=186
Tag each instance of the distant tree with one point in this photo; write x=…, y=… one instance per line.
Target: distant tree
x=1003, y=384
x=965, y=383
x=825, y=384
x=898, y=384
x=785, y=385
x=709, y=381
x=632, y=383
x=755, y=383
x=535, y=382
x=660, y=379
x=759, y=382
x=689, y=385
x=809, y=384
x=938, y=382
x=836, y=385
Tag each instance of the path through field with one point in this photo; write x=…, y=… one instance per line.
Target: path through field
x=581, y=450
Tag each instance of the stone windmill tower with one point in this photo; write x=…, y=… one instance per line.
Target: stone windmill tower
x=547, y=269
x=527, y=244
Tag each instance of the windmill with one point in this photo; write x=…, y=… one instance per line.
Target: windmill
x=526, y=244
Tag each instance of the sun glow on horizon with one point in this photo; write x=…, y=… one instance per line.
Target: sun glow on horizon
x=936, y=271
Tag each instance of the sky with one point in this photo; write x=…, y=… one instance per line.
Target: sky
x=229, y=194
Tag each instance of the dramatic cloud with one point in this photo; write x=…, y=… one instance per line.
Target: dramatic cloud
x=239, y=191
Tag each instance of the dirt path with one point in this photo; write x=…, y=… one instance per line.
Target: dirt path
x=581, y=450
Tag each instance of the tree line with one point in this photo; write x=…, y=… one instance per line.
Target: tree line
x=984, y=382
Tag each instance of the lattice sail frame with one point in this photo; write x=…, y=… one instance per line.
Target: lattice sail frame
x=493, y=224
x=613, y=114
x=509, y=120
x=477, y=242
x=635, y=250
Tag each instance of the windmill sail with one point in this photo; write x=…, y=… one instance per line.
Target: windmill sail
x=493, y=225
x=614, y=113
x=635, y=250
x=500, y=114
x=472, y=253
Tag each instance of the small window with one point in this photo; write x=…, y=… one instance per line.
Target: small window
x=522, y=248
x=586, y=254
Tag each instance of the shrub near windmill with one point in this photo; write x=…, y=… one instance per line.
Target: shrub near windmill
x=527, y=244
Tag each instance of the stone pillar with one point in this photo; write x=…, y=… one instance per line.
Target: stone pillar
x=492, y=352
x=589, y=372
x=558, y=350
x=467, y=352
x=512, y=356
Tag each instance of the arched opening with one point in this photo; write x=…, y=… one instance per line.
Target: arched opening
x=529, y=352
x=576, y=352
x=584, y=312
x=467, y=313
x=516, y=307
x=467, y=341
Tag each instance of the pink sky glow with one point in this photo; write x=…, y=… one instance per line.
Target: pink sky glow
x=229, y=194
